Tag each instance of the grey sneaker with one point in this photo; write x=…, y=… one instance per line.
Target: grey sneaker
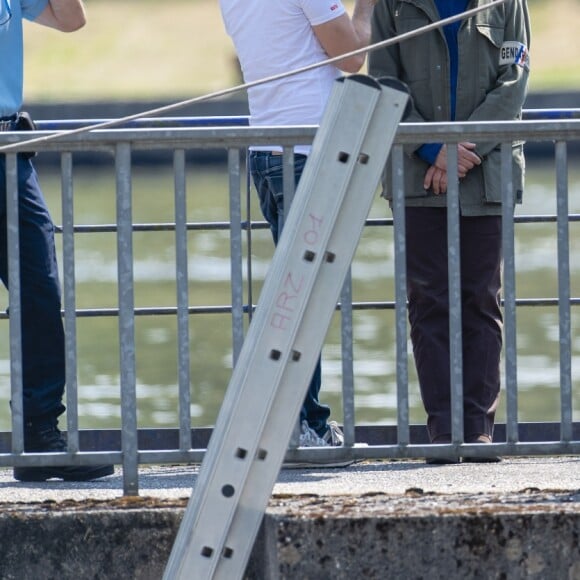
x=333, y=436
x=309, y=438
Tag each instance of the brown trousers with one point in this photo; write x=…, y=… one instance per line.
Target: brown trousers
x=427, y=291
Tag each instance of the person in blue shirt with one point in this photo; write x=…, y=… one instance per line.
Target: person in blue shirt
x=43, y=357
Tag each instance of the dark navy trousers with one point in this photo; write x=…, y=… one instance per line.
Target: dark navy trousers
x=266, y=170
x=43, y=359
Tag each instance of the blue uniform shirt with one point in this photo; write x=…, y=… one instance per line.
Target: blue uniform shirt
x=447, y=8
x=11, y=60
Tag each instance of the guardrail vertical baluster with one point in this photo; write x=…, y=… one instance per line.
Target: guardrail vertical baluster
x=69, y=300
x=288, y=182
x=454, y=297
x=347, y=356
x=564, y=291
x=248, y=224
x=289, y=186
x=509, y=286
x=126, y=318
x=403, y=434
x=14, y=302
x=182, y=289
x=237, y=281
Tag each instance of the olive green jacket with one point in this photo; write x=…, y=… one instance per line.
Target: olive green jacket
x=493, y=71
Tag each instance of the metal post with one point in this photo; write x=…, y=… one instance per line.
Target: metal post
x=454, y=297
x=127, y=319
x=509, y=278
x=14, y=302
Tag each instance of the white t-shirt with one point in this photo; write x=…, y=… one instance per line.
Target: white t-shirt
x=273, y=37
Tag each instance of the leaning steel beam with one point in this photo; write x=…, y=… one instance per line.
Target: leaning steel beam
x=294, y=312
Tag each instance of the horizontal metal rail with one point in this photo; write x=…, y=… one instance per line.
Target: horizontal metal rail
x=231, y=137
x=260, y=225
x=242, y=120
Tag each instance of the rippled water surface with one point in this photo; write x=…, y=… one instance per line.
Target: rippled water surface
x=209, y=274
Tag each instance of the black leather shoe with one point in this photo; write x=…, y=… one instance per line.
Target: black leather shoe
x=48, y=439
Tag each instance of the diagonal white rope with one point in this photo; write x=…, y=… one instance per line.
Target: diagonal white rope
x=224, y=92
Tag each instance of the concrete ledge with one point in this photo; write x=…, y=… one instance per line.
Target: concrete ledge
x=531, y=534
x=525, y=536
x=83, y=542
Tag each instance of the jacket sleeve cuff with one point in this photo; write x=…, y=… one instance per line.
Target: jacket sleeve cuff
x=429, y=152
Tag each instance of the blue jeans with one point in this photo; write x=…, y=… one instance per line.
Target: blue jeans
x=43, y=359
x=266, y=170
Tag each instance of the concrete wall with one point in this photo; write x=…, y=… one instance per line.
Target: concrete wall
x=486, y=544
x=534, y=535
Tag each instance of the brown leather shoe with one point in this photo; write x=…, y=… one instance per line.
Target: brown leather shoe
x=483, y=439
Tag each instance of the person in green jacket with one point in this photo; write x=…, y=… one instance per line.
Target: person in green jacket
x=475, y=69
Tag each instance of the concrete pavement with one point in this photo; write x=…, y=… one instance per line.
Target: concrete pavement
x=397, y=477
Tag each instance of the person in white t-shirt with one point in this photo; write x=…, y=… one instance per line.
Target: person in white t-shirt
x=277, y=36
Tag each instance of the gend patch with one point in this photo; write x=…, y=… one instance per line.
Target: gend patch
x=513, y=52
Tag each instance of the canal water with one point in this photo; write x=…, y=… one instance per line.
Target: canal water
x=209, y=275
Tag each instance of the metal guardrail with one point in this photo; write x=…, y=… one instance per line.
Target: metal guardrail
x=178, y=137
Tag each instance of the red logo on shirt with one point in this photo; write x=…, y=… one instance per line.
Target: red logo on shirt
x=334, y=7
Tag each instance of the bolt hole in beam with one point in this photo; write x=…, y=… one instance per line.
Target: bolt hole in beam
x=309, y=256
x=228, y=490
x=343, y=157
x=363, y=158
x=275, y=354
x=228, y=552
x=329, y=257
x=207, y=552
x=262, y=453
x=241, y=453
x=296, y=355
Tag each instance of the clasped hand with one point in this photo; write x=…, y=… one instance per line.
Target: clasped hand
x=436, y=177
